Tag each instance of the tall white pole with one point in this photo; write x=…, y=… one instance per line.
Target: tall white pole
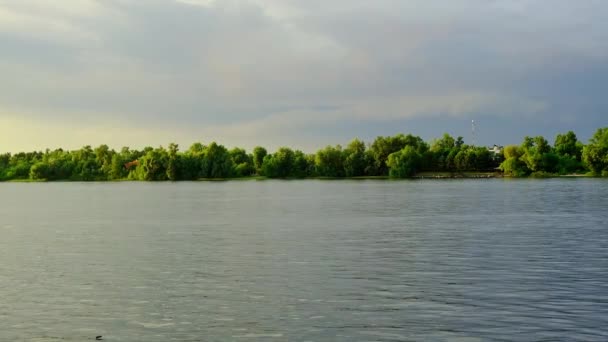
x=474, y=138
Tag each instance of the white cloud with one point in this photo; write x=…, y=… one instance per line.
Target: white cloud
x=40, y=27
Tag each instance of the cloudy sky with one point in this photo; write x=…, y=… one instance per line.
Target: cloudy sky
x=301, y=73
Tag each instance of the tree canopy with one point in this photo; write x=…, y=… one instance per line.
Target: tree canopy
x=398, y=156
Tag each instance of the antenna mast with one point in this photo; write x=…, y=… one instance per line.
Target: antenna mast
x=474, y=140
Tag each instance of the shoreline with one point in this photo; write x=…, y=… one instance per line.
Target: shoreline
x=419, y=176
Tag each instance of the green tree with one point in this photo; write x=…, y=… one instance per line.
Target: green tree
x=153, y=165
x=329, y=162
x=382, y=147
x=4, y=165
x=512, y=165
x=447, y=142
x=279, y=164
x=103, y=158
x=482, y=160
x=191, y=162
x=243, y=162
x=40, y=171
x=542, y=145
x=354, y=159
x=534, y=150
x=512, y=151
x=527, y=143
x=189, y=167
x=567, y=145
x=217, y=162
x=117, y=168
x=568, y=151
x=459, y=142
x=86, y=166
x=4, y=160
x=303, y=165
x=595, y=154
x=196, y=149
x=398, y=156
x=19, y=165
x=450, y=160
x=550, y=162
x=460, y=160
x=59, y=165
x=438, y=158
x=259, y=153
x=404, y=163
x=173, y=162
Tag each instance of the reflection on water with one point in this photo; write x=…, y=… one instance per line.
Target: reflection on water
x=454, y=260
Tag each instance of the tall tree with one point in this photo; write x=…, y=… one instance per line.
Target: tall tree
x=259, y=153
x=217, y=162
x=329, y=162
x=354, y=159
x=172, y=162
x=512, y=165
x=595, y=154
x=404, y=163
x=243, y=162
x=279, y=164
x=153, y=165
x=382, y=147
x=568, y=145
x=446, y=142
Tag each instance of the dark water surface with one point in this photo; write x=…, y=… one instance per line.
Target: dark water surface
x=456, y=260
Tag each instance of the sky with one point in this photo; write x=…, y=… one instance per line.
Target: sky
x=303, y=74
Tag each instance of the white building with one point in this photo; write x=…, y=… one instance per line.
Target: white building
x=495, y=149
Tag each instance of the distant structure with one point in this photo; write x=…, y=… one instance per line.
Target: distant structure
x=474, y=138
x=495, y=149
x=131, y=164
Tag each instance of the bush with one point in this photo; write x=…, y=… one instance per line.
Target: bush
x=514, y=167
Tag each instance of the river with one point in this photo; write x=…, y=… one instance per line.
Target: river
x=374, y=260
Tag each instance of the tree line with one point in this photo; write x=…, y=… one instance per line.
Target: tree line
x=398, y=156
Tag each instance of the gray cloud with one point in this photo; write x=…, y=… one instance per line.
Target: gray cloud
x=239, y=69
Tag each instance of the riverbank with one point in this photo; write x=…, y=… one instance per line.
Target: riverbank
x=421, y=175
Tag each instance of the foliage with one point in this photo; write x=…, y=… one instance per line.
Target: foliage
x=172, y=162
x=258, y=158
x=537, y=158
x=153, y=166
x=280, y=164
x=382, y=147
x=396, y=156
x=567, y=145
x=216, y=162
x=329, y=162
x=404, y=163
x=243, y=162
x=595, y=154
x=355, y=159
x=514, y=167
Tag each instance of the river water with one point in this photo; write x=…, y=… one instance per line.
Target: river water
x=425, y=260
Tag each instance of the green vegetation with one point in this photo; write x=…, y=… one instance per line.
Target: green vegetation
x=536, y=158
x=399, y=156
